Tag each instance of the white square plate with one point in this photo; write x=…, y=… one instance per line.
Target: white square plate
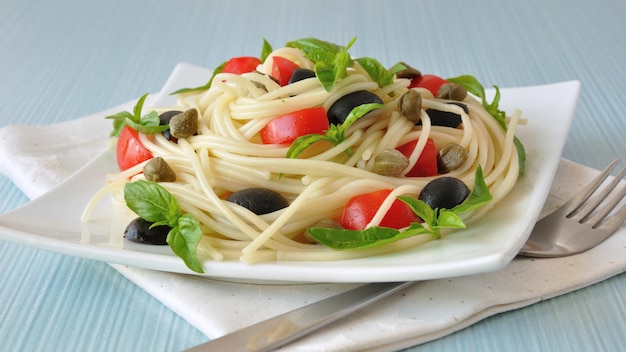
x=52, y=221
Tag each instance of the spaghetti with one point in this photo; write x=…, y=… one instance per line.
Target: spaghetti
x=227, y=155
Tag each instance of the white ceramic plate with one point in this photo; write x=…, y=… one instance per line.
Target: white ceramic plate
x=52, y=222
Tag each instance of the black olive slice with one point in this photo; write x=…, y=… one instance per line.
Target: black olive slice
x=340, y=109
x=446, y=118
x=259, y=200
x=444, y=193
x=301, y=73
x=139, y=231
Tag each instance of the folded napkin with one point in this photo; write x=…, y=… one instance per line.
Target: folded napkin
x=36, y=161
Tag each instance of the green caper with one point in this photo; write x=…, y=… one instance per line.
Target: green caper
x=184, y=124
x=450, y=157
x=451, y=91
x=390, y=162
x=410, y=105
x=158, y=170
x=409, y=72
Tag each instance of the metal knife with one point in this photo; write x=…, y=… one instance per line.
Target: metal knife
x=288, y=327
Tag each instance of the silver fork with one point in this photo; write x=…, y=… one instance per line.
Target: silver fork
x=575, y=227
x=582, y=222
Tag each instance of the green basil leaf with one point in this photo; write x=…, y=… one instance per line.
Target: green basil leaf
x=147, y=124
x=342, y=62
x=266, y=50
x=148, y=129
x=449, y=219
x=302, y=143
x=331, y=60
x=414, y=229
x=521, y=154
x=357, y=113
x=119, y=121
x=351, y=239
x=325, y=73
x=472, y=85
x=420, y=208
x=350, y=43
x=377, y=72
x=150, y=119
x=138, y=107
x=152, y=202
x=184, y=239
x=478, y=197
x=397, y=68
x=321, y=56
x=310, y=45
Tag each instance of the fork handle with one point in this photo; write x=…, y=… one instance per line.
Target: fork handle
x=282, y=329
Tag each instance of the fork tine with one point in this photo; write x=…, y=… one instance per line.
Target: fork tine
x=619, y=215
x=591, y=187
x=602, y=197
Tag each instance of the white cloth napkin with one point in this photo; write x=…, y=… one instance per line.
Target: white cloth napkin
x=36, y=160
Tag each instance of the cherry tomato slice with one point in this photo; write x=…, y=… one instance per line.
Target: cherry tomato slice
x=361, y=209
x=430, y=82
x=241, y=65
x=129, y=150
x=286, y=128
x=282, y=69
x=426, y=164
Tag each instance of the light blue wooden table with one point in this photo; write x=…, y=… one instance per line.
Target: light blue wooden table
x=63, y=59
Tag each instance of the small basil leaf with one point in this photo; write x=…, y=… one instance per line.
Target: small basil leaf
x=325, y=73
x=358, y=112
x=138, y=107
x=119, y=121
x=420, y=208
x=448, y=219
x=151, y=201
x=266, y=50
x=471, y=84
x=149, y=129
x=478, y=197
x=302, y=143
x=377, y=72
x=150, y=119
x=184, y=239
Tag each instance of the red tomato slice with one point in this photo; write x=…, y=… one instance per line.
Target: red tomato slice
x=240, y=65
x=282, y=69
x=286, y=128
x=361, y=209
x=430, y=82
x=426, y=164
x=129, y=150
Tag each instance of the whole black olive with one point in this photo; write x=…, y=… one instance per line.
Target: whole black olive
x=301, y=73
x=259, y=200
x=164, y=119
x=445, y=118
x=444, y=193
x=139, y=231
x=340, y=109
